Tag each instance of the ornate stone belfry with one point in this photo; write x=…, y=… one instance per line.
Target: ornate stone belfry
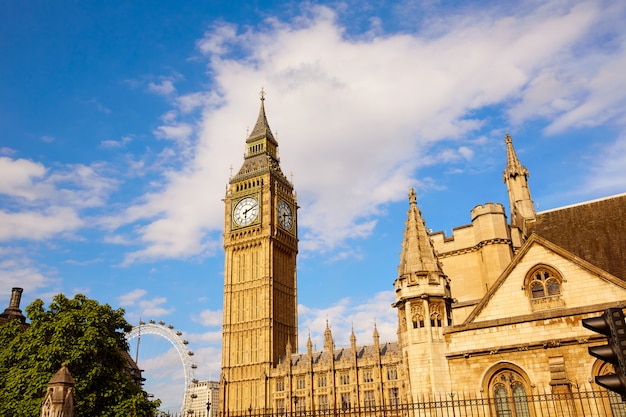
x=424, y=305
x=260, y=245
x=516, y=179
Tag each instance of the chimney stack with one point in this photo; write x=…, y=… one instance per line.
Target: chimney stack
x=13, y=311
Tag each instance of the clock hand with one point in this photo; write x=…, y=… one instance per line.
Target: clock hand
x=245, y=212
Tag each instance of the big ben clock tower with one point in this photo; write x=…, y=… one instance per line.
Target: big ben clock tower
x=260, y=245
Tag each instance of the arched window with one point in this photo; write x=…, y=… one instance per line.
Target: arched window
x=543, y=282
x=417, y=317
x=615, y=401
x=435, y=315
x=510, y=392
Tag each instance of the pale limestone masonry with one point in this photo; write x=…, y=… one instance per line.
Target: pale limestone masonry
x=495, y=309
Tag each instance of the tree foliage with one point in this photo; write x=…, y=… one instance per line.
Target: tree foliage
x=89, y=337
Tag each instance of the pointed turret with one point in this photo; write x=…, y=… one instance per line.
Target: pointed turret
x=516, y=179
x=418, y=254
x=329, y=344
x=376, y=337
x=288, y=349
x=261, y=149
x=424, y=303
x=353, y=342
x=309, y=346
x=261, y=128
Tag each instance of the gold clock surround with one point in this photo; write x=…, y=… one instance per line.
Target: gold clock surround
x=245, y=211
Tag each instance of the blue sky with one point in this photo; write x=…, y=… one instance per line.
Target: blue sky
x=119, y=122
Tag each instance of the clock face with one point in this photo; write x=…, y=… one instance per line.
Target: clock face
x=285, y=217
x=246, y=211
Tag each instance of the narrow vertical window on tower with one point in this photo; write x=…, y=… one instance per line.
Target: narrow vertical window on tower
x=280, y=406
x=322, y=402
x=394, y=397
x=417, y=317
x=368, y=375
x=344, y=378
x=345, y=401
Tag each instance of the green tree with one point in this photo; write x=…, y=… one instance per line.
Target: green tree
x=89, y=337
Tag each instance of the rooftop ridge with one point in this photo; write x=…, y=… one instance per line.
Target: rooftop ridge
x=582, y=203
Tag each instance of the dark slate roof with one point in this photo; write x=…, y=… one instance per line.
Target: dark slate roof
x=594, y=231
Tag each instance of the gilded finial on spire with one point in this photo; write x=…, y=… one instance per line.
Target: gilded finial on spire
x=262, y=94
x=508, y=138
x=412, y=196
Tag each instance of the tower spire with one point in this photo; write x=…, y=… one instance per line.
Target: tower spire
x=261, y=127
x=515, y=177
x=261, y=154
x=329, y=343
x=418, y=254
x=261, y=149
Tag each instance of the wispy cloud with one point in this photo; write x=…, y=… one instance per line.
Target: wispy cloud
x=347, y=315
x=210, y=318
x=114, y=144
x=18, y=269
x=138, y=306
x=380, y=101
x=48, y=202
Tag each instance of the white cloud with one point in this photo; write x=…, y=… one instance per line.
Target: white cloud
x=131, y=298
x=139, y=307
x=113, y=144
x=18, y=177
x=165, y=378
x=609, y=175
x=38, y=225
x=179, y=132
x=18, y=269
x=216, y=40
x=356, y=118
x=165, y=87
x=345, y=316
x=189, y=102
x=48, y=202
x=210, y=318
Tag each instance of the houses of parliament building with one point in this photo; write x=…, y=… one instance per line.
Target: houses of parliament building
x=495, y=308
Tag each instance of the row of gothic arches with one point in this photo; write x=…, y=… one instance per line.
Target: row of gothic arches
x=511, y=389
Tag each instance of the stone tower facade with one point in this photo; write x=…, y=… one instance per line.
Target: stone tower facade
x=260, y=245
x=424, y=306
x=493, y=311
x=59, y=399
